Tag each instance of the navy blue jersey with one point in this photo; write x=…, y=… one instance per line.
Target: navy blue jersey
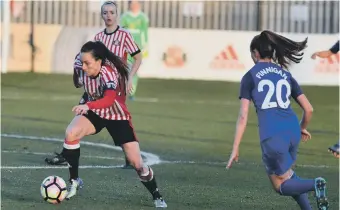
x=335, y=48
x=271, y=89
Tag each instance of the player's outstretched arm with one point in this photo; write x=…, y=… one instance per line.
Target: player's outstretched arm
x=307, y=107
x=246, y=87
x=240, y=128
x=306, y=117
x=322, y=54
x=327, y=53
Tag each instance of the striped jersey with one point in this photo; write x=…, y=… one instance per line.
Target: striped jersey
x=108, y=79
x=119, y=42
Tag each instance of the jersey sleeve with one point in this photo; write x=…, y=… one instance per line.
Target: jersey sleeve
x=246, y=87
x=130, y=45
x=335, y=48
x=97, y=36
x=78, y=72
x=109, y=78
x=296, y=89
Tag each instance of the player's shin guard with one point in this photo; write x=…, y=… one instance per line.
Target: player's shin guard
x=149, y=181
x=71, y=152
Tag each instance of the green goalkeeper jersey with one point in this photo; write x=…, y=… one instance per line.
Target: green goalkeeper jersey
x=138, y=25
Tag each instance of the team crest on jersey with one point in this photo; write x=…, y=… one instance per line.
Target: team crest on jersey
x=111, y=85
x=116, y=42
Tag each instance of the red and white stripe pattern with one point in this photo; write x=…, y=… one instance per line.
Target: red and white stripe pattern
x=119, y=42
x=108, y=78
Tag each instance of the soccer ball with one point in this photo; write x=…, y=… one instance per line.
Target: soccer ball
x=53, y=189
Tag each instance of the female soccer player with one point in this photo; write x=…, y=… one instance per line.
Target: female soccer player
x=270, y=86
x=104, y=81
x=326, y=54
x=120, y=42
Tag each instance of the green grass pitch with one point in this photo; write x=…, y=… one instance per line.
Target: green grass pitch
x=189, y=125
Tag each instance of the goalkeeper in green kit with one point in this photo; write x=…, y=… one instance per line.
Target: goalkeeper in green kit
x=137, y=23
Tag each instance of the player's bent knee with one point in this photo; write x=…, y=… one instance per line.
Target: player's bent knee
x=78, y=128
x=278, y=180
x=73, y=134
x=276, y=183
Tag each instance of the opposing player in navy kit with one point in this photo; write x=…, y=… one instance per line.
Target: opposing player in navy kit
x=326, y=54
x=271, y=86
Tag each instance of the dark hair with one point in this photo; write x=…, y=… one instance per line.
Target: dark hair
x=279, y=48
x=100, y=51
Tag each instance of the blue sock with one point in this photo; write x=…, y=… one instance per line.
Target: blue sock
x=303, y=201
x=296, y=186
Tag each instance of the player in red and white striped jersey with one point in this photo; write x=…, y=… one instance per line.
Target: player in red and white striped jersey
x=104, y=80
x=117, y=39
x=120, y=42
x=94, y=88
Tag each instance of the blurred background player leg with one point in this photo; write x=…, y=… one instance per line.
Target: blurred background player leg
x=135, y=84
x=137, y=23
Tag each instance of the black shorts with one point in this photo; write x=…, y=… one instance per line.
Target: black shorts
x=121, y=131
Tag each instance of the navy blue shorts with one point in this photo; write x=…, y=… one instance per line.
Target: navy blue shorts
x=279, y=152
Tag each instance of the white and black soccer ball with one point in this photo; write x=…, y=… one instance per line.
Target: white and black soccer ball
x=53, y=189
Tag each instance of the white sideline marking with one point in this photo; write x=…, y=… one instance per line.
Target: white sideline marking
x=18, y=96
x=60, y=167
x=138, y=99
x=240, y=163
x=46, y=154
x=150, y=159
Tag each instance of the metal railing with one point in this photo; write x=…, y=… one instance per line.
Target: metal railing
x=319, y=16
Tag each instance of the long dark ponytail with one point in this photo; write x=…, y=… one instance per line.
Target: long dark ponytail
x=100, y=51
x=279, y=48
